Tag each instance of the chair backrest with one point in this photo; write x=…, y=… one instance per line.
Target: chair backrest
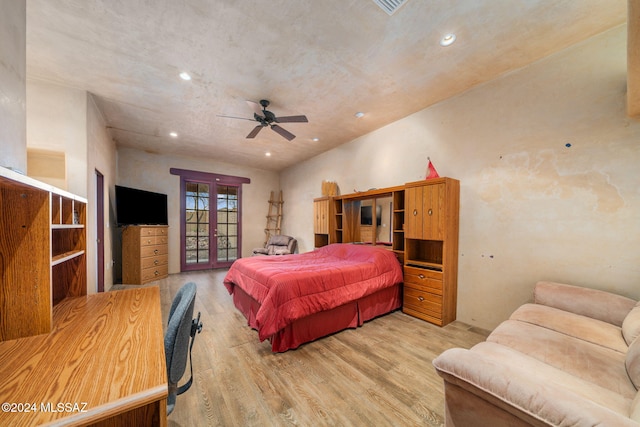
x=280, y=241
x=176, y=339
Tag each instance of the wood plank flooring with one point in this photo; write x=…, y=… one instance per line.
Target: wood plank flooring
x=377, y=375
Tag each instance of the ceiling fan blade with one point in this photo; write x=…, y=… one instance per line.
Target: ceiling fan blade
x=240, y=118
x=282, y=132
x=255, y=131
x=292, y=119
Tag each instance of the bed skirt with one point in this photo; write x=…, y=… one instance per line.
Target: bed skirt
x=310, y=328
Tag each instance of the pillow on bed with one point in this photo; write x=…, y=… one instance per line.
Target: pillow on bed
x=631, y=325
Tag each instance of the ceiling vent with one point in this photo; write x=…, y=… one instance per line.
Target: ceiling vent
x=390, y=6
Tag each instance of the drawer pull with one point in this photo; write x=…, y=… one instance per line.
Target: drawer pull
x=422, y=276
x=155, y=251
x=156, y=273
x=155, y=262
x=420, y=299
x=149, y=241
x=430, y=212
x=415, y=212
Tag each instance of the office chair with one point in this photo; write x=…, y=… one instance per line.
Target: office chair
x=180, y=329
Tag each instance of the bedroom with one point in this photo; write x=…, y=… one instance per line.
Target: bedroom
x=552, y=194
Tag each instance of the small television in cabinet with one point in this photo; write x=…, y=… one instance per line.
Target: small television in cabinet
x=366, y=215
x=140, y=207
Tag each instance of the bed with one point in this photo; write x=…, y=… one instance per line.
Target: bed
x=294, y=299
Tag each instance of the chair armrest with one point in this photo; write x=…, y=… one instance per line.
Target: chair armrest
x=516, y=390
x=594, y=303
x=282, y=252
x=260, y=251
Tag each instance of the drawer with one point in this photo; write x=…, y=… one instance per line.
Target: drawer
x=155, y=261
x=147, y=231
x=425, y=280
x=149, y=251
x=423, y=302
x=153, y=240
x=154, y=273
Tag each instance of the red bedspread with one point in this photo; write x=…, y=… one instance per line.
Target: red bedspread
x=291, y=287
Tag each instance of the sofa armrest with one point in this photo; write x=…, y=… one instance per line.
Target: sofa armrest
x=601, y=305
x=518, y=391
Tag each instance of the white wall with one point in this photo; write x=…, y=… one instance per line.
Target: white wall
x=532, y=208
x=146, y=171
x=13, y=142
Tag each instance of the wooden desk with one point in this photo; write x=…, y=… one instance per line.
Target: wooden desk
x=103, y=364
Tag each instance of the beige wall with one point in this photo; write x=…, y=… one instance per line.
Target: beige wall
x=57, y=121
x=532, y=208
x=145, y=171
x=101, y=156
x=13, y=24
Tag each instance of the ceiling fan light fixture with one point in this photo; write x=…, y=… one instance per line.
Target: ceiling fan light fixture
x=447, y=40
x=185, y=76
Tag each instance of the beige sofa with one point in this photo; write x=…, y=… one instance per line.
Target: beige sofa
x=571, y=358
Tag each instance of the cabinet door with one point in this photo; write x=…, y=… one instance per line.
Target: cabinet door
x=413, y=212
x=425, y=212
x=433, y=212
x=321, y=216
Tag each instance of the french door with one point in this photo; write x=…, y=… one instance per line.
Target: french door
x=211, y=228
x=211, y=225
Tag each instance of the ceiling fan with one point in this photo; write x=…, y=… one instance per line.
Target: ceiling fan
x=266, y=118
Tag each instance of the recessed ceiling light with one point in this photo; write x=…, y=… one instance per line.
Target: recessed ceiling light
x=268, y=154
x=359, y=114
x=173, y=135
x=185, y=76
x=316, y=139
x=447, y=40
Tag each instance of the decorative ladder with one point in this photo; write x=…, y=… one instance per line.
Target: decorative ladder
x=274, y=217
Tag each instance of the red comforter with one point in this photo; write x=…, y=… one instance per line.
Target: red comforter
x=291, y=287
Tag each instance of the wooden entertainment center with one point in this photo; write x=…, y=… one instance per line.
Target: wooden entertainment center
x=420, y=221
x=69, y=358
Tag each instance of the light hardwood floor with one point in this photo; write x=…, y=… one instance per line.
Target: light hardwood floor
x=377, y=375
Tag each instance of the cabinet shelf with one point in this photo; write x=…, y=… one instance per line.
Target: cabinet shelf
x=59, y=259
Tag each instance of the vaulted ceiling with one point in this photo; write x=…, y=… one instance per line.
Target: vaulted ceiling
x=325, y=59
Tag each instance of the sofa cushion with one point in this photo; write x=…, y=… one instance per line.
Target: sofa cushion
x=631, y=325
x=591, y=362
x=549, y=394
x=632, y=363
x=582, y=327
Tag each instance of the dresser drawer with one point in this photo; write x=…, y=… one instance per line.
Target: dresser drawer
x=422, y=279
x=149, y=251
x=155, y=261
x=154, y=273
x=418, y=301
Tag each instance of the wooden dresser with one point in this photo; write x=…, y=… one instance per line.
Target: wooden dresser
x=144, y=254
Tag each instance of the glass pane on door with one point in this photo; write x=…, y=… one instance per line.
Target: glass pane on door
x=197, y=223
x=227, y=223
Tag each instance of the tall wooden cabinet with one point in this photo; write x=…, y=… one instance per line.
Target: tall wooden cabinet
x=431, y=249
x=42, y=253
x=145, y=254
x=321, y=220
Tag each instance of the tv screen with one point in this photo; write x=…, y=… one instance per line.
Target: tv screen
x=366, y=217
x=140, y=207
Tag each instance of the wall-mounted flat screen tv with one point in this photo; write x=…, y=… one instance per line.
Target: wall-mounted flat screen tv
x=140, y=207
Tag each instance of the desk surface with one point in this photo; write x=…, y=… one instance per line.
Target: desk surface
x=104, y=356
